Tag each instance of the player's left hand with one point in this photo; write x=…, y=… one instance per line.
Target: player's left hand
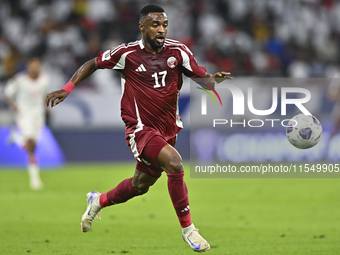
x=220, y=76
x=55, y=97
x=212, y=79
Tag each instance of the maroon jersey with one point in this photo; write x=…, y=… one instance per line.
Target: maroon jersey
x=150, y=86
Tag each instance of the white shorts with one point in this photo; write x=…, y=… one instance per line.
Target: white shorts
x=30, y=126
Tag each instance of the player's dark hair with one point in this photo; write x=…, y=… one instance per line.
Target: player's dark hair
x=31, y=58
x=149, y=8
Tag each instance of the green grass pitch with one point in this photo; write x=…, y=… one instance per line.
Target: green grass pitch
x=237, y=216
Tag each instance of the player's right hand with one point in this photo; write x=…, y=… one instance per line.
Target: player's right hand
x=55, y=97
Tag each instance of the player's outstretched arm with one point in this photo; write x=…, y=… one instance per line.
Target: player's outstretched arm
x=81, y=74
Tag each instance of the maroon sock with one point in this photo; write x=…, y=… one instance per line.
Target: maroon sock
x=179, y=196
x=120, y=194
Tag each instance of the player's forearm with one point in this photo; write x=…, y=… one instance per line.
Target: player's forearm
x=81, y=74
x=84, y=71
x=206, y=82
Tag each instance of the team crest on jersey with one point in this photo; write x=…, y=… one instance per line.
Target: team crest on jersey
x=172, y=62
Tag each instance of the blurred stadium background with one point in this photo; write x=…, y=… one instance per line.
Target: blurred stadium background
x=263, y=38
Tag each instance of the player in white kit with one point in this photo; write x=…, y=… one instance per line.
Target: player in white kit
x=25, y=93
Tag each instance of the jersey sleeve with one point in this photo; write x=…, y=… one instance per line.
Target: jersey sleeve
x=11, y=87
x=190, y=66
x=110, y=58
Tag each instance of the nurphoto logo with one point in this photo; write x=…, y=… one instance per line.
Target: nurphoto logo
x=302, y=96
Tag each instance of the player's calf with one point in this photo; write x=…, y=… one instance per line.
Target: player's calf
x=141, y=188
x=141, y=182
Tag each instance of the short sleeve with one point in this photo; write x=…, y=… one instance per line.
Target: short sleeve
x=190, y=66
x=109, y=59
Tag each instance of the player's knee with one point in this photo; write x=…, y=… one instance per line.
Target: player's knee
x=141, y=188
x=175, y=165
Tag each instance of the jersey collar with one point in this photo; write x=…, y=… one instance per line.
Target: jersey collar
x=141, y=45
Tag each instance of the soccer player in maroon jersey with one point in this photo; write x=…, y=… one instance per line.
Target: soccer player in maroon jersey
x=151, y=71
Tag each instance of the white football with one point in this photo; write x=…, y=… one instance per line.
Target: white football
x=304, y=131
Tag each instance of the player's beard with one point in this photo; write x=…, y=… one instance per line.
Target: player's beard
x=153, y=43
